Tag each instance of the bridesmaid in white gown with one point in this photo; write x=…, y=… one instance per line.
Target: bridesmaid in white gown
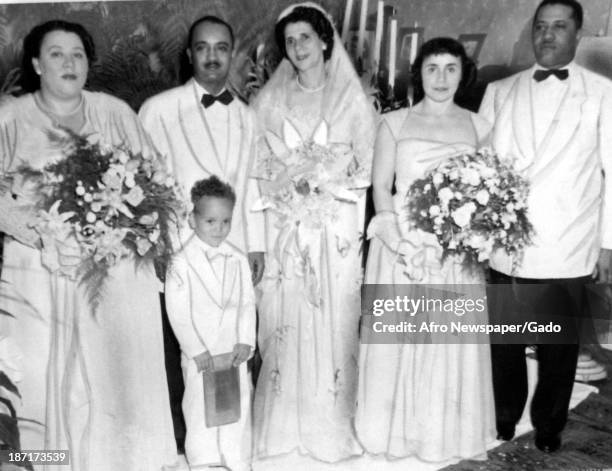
x=309, y=305
x=432, y=401
x=94, y=382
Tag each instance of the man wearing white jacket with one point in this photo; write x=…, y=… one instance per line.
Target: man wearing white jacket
x=554, y=121
x=203, y=130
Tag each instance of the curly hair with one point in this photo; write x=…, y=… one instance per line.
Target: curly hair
x=315, y=18
x=30, y=81
x=437, y=46
x=212, y=187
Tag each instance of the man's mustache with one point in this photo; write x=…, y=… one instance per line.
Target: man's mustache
x=215, y=64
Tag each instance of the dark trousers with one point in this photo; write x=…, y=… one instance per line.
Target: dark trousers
x=174, y=375
x=564, y=299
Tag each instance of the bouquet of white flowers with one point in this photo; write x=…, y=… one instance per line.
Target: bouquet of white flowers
x=304, y=182
x=101, y=204
x=474, y=204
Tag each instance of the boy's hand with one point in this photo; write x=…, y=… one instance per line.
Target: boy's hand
x=204, y=361
x=241, y=353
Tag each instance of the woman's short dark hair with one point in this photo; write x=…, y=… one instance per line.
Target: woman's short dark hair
x=437, y=46
x=314, y=18
x=30, y=81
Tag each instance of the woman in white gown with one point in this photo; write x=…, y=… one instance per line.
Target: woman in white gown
x=95, y=381
x=433, y=401
x=309, y=306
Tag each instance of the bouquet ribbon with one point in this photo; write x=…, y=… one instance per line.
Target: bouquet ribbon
x=296, y=247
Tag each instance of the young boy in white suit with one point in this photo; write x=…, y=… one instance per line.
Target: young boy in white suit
x=211, y=307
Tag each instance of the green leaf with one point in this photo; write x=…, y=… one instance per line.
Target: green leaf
x=32, y=421
x=9, y=406
x=9, y=432
x=8, y=384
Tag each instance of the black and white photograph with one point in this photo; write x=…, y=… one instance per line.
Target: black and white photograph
x=329, y=235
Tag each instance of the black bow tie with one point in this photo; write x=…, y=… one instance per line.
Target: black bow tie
x=224, y=98
x=543, y=74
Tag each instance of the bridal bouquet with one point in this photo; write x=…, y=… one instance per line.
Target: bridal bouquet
x=303, y=182
x=474, y=204
x=101, y=204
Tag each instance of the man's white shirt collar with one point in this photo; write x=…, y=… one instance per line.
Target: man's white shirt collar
x=201, y=90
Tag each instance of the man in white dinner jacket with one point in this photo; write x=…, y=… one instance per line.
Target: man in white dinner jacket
x=554, y=121
x=202, y=130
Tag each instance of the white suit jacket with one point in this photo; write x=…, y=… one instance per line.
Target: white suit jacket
x=570, y=201
x=176, y=124
x=210, y=313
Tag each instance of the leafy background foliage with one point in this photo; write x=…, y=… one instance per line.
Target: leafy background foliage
x=140, y=44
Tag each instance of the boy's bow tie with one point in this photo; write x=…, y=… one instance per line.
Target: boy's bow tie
x=543, y=74
x=224, y=98
x=215, y=252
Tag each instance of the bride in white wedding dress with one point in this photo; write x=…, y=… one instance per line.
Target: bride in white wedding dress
x=309, y=307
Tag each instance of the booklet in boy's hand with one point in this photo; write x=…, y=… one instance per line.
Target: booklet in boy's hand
x=222, y=392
